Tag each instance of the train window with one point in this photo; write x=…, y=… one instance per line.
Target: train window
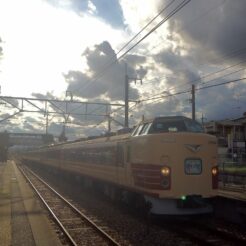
x=145, y=129
x=135, y=130
x=138, y=130
x=193, y=166
x=193, y=126
x=166, y=126
x=175, y=125
x=172, y=129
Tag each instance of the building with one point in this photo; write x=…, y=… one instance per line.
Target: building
x=231, y=133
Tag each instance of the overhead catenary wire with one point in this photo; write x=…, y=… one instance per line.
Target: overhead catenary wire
x=99, y=75
x=208, y=75
x=194, y=20
x=157, y=97
x=223, y=83
x=112, y=60
x=173, y=12
x=154, y=100
x=204, y=82
x=188, y=91
x=151, y=21
x=178, y=8
x=180, y=93
x=187, y=83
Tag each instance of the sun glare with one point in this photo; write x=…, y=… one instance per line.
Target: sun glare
x=43, y=42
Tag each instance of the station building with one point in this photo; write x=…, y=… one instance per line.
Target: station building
x=231, y=133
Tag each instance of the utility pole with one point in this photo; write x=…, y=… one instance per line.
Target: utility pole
x=203, y=118
x=193, y=101
x=109, y=123
x=109, y=119
x=126, y=97
x=47, y=124
x=127, y=80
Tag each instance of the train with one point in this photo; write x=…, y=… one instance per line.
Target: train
x=166, y=163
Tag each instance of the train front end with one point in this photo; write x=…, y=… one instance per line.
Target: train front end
x=175, y=165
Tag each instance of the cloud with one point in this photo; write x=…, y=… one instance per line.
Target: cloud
x=214, y=27
x=109, y=11
x=182, y=67
x=200, y=38
x=1, y=49
x=222, y=102
x=104, y=81
x=4, y=115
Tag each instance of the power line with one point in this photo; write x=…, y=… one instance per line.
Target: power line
x=166, y=7
x=178, y=93
x=233, y=72
x=173, y=12
x=109, y=64
x=208, y=75
x=224, y=83
x=178, y=8
x=187, y=91
x=196, y=19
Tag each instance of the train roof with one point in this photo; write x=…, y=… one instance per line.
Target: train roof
x=76, y=143
x=164, y=118
x=111, y=137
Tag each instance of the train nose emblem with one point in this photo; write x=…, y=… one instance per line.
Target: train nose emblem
x=193, y=147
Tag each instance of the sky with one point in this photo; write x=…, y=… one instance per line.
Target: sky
x=48, y=47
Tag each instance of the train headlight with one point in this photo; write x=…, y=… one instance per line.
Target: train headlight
x=165, y=171
x=214, y=171
x=215, y=176
x=166, y=178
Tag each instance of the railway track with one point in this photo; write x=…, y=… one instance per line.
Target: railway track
x=77, y=228
x=133, y=232
x=235, y=188
x=209, y=233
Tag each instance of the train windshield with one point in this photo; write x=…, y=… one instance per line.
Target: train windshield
x=175, y=125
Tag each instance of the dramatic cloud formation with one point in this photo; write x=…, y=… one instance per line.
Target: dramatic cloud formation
x=202, y=44
x=110, y=11
x=182, y=68
x=214, y=27
x=103, y=80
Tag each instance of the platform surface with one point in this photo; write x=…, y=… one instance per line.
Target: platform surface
x=232, y=191
x=233, y=194
x=22, y=220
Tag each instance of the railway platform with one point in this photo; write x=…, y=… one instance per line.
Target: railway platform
x=22, y=220
x=233, y=193
x=230, y=204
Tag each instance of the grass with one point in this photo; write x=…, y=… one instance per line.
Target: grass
x=233, y=169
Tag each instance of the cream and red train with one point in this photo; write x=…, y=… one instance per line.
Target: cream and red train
x=169, y=161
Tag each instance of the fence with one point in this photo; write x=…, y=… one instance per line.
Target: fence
x=232, y=171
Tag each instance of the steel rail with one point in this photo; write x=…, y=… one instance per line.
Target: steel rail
x=50, y=210
x=221, y=233
x=83, y=216
x=216, y=233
